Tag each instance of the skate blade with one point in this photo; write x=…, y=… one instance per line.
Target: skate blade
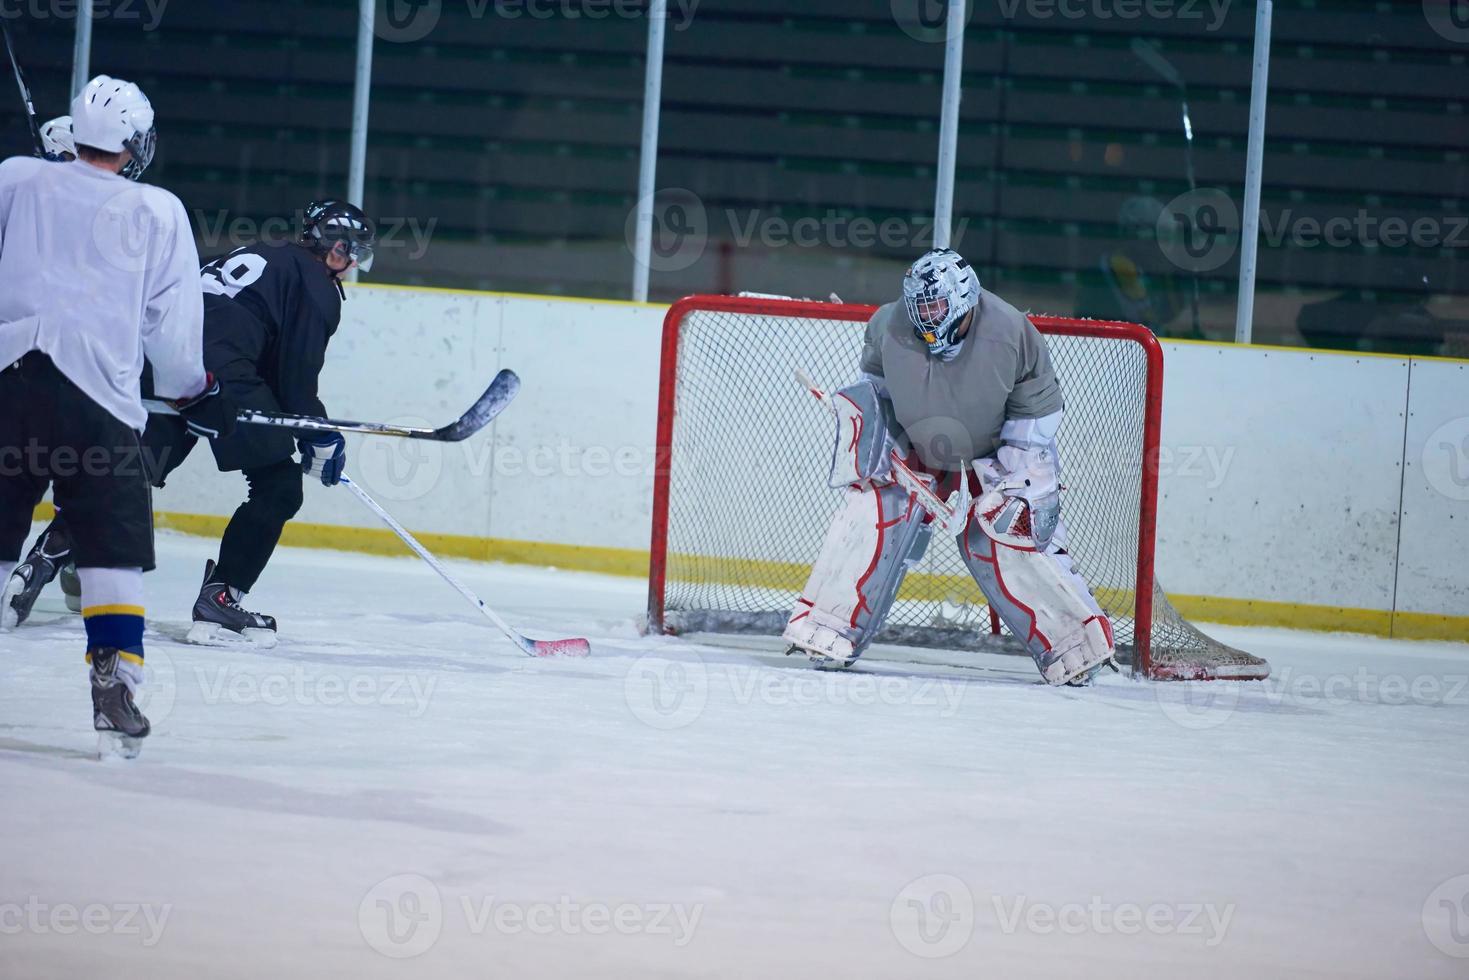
x=9, y=618
x=116, y=745
x=214, y=635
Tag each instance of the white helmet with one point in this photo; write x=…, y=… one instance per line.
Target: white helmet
x=56, y=137
x=938, y=291
x=112, y=115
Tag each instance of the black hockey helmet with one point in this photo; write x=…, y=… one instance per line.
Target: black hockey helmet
x=341, y=227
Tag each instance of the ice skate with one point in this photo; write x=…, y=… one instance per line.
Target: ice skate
x=51, y=551
x=120, y=725
x=220, y=620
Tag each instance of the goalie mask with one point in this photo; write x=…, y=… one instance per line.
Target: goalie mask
x=939, y=291
x=336, y=226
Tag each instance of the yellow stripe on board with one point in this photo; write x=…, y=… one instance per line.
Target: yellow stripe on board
x=791, y=576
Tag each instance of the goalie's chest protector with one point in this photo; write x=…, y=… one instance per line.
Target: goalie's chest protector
x=951, y=411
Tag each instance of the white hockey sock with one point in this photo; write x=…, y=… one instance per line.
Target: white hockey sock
x=112, y=608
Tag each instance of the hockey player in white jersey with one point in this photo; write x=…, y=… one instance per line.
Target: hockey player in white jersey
x=95, y=273
x=962, y=382
x=57, y=141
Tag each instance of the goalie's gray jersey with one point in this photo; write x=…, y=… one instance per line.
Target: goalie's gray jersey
x=951, y=411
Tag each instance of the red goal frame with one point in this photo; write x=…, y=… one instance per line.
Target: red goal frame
x=857, y=313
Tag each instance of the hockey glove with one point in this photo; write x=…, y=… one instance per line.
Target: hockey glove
x=324, y=455
x=209, y=414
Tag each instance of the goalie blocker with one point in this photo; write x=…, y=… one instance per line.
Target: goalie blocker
x=1012, y=541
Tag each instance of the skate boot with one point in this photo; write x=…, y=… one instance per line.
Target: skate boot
x=220, y=620
x=120, y=725
x=51, y=551
x=71, y=586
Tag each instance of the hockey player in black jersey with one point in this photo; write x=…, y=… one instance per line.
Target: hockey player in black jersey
x=269, y=312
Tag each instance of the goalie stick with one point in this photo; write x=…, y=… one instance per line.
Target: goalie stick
x=952, y=513
x=497, y=396
x=25, y=91
x=575, y=647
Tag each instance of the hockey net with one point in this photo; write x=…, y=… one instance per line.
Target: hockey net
x=741, y=505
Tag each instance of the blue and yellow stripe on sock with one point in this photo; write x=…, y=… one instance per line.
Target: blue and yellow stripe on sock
x=119, y=627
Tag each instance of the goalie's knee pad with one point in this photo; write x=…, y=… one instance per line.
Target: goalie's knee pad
x=878, y=533
x=1040, y=596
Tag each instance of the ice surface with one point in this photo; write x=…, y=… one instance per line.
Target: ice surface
x=395, y=778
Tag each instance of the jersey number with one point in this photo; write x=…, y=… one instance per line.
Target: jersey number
x=233, y=273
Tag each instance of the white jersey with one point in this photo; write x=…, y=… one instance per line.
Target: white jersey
x=96, y=271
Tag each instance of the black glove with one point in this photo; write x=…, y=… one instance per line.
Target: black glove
x=323, y=455
x=211, y=413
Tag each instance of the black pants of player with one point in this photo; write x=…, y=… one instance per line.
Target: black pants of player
x=275, y=496
x=53, y=435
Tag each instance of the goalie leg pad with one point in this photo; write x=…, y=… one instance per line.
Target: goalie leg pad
x=1040, y=597
x=875, y=537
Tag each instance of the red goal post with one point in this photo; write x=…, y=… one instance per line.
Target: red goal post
x=740, y=503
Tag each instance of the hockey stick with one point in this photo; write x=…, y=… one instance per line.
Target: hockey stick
x=532, y=648
x=952, y=513
x=494, y=401
x=25, y=91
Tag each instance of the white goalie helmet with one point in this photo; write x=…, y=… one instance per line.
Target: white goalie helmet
x=56, y=138
x=113, y=115
x=938, y=291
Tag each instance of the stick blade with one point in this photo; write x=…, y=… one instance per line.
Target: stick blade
x=575, y=647
x=496, y=399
